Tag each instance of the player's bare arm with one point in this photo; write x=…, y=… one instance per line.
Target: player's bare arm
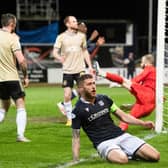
x=132, y=120
x=23, y=65
x=88, y=61
x=57, y=56
x=94, y=35
x=75, y=144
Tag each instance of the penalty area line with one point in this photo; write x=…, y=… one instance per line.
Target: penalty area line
x=68, y=164
x=150, y=136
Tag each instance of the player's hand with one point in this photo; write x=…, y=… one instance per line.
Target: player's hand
x=149, y=124
x=94, y=34
x=62, y=59
x=26, y=82
x=91, y=71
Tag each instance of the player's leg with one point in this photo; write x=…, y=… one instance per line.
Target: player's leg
x=61, y=108
x=126, y=107
x=145, y=103
x=21, y=120
x=4, y=106
x=68, y=82
x=115, y=78
x=18, y=94
x=74, y=94
x=138, y=110
x=142, y=110
x=4, y=100
x=135, y=148
x=126, y=83
x=148, y=152
x=61, y=104
x=110, y=76
x=145, y=100
x=68, y=104
x=12, y=102
x=117, y=156
x=111, y=151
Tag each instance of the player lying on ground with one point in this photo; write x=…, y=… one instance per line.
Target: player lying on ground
x=141, y=86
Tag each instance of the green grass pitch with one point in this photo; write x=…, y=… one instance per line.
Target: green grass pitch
x=51, y=139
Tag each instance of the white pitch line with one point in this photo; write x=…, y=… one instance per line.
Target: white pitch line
x=149, y=136
x=64, y=165
x=68, y=164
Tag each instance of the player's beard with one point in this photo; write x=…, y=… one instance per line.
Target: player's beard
x=89, y=96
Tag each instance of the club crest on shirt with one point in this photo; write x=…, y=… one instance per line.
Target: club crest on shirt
x=101, y=103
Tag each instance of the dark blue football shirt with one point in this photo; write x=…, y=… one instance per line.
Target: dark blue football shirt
x=95, y=119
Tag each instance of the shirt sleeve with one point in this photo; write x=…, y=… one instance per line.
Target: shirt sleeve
x=15, y=44
x=113, y=108
x=76, y=122
x=112, y=105
x=58, y=42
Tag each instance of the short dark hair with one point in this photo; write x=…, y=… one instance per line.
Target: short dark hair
x=81, y=23
x=82, y=78
x=7, y=18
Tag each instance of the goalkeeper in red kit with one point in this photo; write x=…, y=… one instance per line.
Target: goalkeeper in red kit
x=141, y=86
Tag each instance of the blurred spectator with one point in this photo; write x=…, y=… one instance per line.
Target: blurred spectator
x=130, y=65
x=117, y=56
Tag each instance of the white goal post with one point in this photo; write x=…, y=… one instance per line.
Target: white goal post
x=160, y=53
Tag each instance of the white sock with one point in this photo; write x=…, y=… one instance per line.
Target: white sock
x=2, y=114
x=21, y=120
x=75, y=92
x=68, y=109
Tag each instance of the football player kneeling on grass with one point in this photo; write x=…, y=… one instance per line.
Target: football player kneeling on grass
x=92, y=113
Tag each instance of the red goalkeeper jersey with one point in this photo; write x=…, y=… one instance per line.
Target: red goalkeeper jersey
x=147, y=77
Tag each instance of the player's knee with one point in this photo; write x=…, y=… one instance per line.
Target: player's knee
x=156, y=156
x=123, y=160
x=119, y=160
x=119, y=157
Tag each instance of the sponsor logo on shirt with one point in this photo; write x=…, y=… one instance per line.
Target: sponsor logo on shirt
x=98, y=114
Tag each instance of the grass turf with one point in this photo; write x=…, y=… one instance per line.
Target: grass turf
x=51, y=139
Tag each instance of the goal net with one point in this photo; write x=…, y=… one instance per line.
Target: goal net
x=162, y=68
